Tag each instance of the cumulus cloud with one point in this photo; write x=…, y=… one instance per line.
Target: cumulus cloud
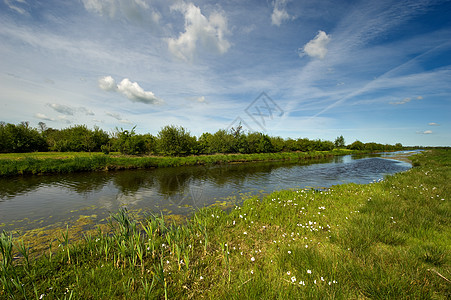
x=43, y=117
x=317, y=48
x=135, y=93
x=132, y=10
x=118, y=117
x=63, y=109
x=208, y=33
x=129, y=89
x=279, y=13
x=405, y=100
x=433, y=124
x=107, y=83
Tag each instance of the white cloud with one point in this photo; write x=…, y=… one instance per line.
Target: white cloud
x=13, y=4
x=208, y=33
x=129, y=89
x=43, y=117
x=107, y=83
x=316, y=48
x=63, y=109
x=433, y=124
x=135, y=93
x=425, y=132
x=279, y=13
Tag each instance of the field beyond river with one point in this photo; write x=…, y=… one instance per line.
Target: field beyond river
x=386, y=240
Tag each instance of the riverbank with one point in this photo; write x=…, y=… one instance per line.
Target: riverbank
x=388, y=239
x=61, y=162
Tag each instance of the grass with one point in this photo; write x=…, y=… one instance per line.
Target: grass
x=13, y=164
x=386, y=240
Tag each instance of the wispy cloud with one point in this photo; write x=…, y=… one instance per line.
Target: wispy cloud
x=15, y=5
x=200, y=31
x=132, y=10
x=70, y=111
x=425, y=132
x=129, y=89
x=406, y=100
x=118, y=117
x=433, y=124
x=63, y=109
x=86, y=111
x=43, y=117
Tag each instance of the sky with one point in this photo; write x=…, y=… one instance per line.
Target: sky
x=373, y=71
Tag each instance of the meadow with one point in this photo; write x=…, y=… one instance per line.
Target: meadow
x=385, y=240
x=37, y=163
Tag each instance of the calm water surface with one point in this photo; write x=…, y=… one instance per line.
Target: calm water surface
x=36, y=201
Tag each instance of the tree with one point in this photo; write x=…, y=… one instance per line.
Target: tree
x=20, y=138
x=357, y=145
x=339, y=142
x=42, y=127
x=128, y=142
x=173, y=140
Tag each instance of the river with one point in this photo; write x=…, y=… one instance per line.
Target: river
x=36, y=201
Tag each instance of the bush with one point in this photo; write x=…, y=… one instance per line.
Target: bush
x=175, y=141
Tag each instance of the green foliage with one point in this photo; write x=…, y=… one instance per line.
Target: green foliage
x=20, y=138
x=76, y=138
x=128, y=142
x=340, y=142
x=278, y=144
x=170, y=141
x=357, y=145
x=175, y=141
x=258, y=143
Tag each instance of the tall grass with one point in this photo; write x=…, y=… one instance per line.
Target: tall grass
x=386, y=240
x=43, y=163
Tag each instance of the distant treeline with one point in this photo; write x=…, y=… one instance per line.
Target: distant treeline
x=170, y=141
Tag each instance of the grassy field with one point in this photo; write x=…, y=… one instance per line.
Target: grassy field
x=386, y=240
x=67, y=162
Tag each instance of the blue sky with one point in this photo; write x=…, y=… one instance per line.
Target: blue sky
x=374, y=71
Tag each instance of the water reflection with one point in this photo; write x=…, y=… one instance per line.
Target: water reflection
x=47, y=199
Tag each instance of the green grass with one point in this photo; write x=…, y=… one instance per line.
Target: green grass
x=62, y=162
x=386, y=240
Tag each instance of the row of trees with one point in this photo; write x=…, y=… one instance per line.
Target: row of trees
x=171, y=141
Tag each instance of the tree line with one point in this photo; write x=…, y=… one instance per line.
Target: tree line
x=170, y=141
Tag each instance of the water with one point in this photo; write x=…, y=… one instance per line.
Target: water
x=37, y=201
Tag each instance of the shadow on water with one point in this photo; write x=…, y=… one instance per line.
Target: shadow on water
x=30, y=202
